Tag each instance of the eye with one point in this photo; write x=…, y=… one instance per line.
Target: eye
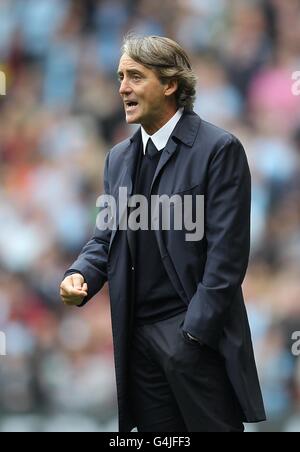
x=136, y=77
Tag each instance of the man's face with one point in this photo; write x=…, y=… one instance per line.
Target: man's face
x=146, y=99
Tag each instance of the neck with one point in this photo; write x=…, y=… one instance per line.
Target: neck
x=158, y=123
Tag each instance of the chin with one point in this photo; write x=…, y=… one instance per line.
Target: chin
x=132, y=119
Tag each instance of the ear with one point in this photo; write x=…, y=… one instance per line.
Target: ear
x=171, y=87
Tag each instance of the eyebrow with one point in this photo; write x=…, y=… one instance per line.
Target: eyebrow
x=130, y=71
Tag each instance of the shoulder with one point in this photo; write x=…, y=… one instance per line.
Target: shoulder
x=216, y=138
x=203, y=135
x=119, y=149
x=115, y=157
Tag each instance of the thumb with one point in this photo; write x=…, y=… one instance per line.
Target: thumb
x=78, y=282
x=85, y=287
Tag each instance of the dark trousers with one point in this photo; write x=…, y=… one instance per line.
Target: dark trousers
x=177, y=385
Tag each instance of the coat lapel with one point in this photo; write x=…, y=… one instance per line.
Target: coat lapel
x=167, y=153
x=185, y=132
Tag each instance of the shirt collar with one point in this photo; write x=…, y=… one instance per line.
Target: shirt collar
x=161, y=137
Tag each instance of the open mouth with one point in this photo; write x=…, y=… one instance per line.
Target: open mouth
x=130, y=105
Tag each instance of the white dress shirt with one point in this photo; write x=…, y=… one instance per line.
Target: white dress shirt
x=161, y=137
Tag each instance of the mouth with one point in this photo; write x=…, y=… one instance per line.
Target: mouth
x=130, y=106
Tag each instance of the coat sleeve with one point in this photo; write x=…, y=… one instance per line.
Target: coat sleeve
x=227, y=235
x=92, y=261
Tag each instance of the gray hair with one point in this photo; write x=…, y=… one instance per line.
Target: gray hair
x=168, y=60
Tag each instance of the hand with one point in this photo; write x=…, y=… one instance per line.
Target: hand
x=73, y=290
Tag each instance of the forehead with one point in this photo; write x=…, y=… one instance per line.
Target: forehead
x=128, y=64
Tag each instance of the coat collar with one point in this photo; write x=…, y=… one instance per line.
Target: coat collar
x=185, y=130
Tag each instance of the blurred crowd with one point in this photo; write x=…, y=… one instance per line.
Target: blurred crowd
x=60, y=116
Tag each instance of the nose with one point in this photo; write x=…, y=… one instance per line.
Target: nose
x=124, y=87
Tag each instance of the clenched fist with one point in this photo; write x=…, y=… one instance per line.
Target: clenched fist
x=73, y=290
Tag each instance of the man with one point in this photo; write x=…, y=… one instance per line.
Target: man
x=183, y=352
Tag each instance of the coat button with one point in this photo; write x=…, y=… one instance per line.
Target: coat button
x=132, y=268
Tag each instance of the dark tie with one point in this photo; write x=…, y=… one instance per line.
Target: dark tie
x=151, y=150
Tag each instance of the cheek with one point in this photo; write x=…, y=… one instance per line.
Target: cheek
x=157, y=98
x=151, y=102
